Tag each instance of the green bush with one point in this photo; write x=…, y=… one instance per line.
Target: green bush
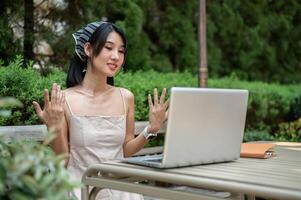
x=257, y=135
x=295, y=110
x=269, y=104
x=26, y=85
x=289, y=131
x=142, y=83
x=29, y=170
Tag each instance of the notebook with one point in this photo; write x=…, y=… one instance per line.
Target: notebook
x=204, y=126
x=257, y=150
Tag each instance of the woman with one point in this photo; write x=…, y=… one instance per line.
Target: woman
x=93, y=120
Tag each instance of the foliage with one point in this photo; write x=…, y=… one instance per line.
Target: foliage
x=142, y=83
x=26, y=85
x=295, y=111
x=29, y=170
x=255, y=39
x=9, y=13
x=6, y=103
x=269, y=104
x=258, y=40
x=257, y=136
x=290, y=131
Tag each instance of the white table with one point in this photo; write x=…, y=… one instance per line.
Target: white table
x=277, y=178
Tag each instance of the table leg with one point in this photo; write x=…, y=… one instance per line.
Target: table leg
x=94, y=193
x=251, y=197
x=85, y=192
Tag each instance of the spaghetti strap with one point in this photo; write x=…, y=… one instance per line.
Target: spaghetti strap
x=124, y=104
x=69, y=107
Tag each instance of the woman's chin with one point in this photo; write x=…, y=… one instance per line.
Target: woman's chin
x=111, y=74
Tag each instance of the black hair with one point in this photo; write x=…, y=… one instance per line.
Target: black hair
x=76, y=71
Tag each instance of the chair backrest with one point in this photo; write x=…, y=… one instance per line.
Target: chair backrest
x=38, y=132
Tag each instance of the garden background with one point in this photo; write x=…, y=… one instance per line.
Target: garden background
x=252, y=44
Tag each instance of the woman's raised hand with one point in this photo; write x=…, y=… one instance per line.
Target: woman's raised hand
x=53, y=111
x=157, y=110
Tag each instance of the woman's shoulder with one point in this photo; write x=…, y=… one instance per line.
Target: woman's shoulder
x=70, y=89
x=70, y=92
x=126, y=93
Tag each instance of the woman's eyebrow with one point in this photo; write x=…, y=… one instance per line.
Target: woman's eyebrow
x=110, y=42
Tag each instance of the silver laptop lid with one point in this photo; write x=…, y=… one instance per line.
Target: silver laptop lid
x=204, y=126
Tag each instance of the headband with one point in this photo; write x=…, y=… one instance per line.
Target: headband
x=82, y=36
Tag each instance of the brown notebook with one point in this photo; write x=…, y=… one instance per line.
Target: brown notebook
x=257, y=150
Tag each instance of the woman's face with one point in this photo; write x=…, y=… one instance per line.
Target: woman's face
x=111, y=57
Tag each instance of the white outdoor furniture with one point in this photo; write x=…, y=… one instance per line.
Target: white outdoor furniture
x=277, y=178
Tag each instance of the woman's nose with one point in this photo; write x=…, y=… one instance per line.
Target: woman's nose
x=115, y=55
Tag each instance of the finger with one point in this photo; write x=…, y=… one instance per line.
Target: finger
x=62, y=100
x=162, y=97
x=166, y=104
x=46, y=98
x=37, y=108
x=58, y=94
x=53, y=93
x=166, y=115
x=150, y=102
x=155, y=96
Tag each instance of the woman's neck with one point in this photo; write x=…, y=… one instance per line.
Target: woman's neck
x=94, y=84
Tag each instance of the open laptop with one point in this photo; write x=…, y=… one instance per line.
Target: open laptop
x=204, y=125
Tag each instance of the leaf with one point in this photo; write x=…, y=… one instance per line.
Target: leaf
x=31, y=183
x=18, y=195
x=2, y=178
x=46, y=181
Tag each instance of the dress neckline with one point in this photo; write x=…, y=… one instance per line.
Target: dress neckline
x=101, y=116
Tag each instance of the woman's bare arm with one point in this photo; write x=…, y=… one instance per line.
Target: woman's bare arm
x=53, y=116
x=132, y=144
x=60, y=142
x=157, y=116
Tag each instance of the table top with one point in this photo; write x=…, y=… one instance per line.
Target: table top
x=277, y=177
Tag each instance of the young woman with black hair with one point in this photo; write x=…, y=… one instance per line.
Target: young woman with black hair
x=93, y=120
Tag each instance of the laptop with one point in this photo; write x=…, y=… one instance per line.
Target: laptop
x=204, y=126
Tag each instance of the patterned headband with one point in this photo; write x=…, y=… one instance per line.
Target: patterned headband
x=82, y=36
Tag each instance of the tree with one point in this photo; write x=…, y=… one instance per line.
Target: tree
x=9, y=45
x=253, y=40
x=28, y=31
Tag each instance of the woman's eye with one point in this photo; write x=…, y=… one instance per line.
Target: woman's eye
x=109, y=48
x=122, y=51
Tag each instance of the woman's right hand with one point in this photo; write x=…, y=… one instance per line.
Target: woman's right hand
x=53, y=112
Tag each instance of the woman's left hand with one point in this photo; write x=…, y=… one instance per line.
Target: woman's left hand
x=157, y=110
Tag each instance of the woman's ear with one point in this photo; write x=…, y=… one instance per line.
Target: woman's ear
x=88, y=49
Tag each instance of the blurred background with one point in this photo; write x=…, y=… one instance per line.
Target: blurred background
x=251, y=44
x=254, y=40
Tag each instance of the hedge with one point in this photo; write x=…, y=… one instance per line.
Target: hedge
x=269, y=104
